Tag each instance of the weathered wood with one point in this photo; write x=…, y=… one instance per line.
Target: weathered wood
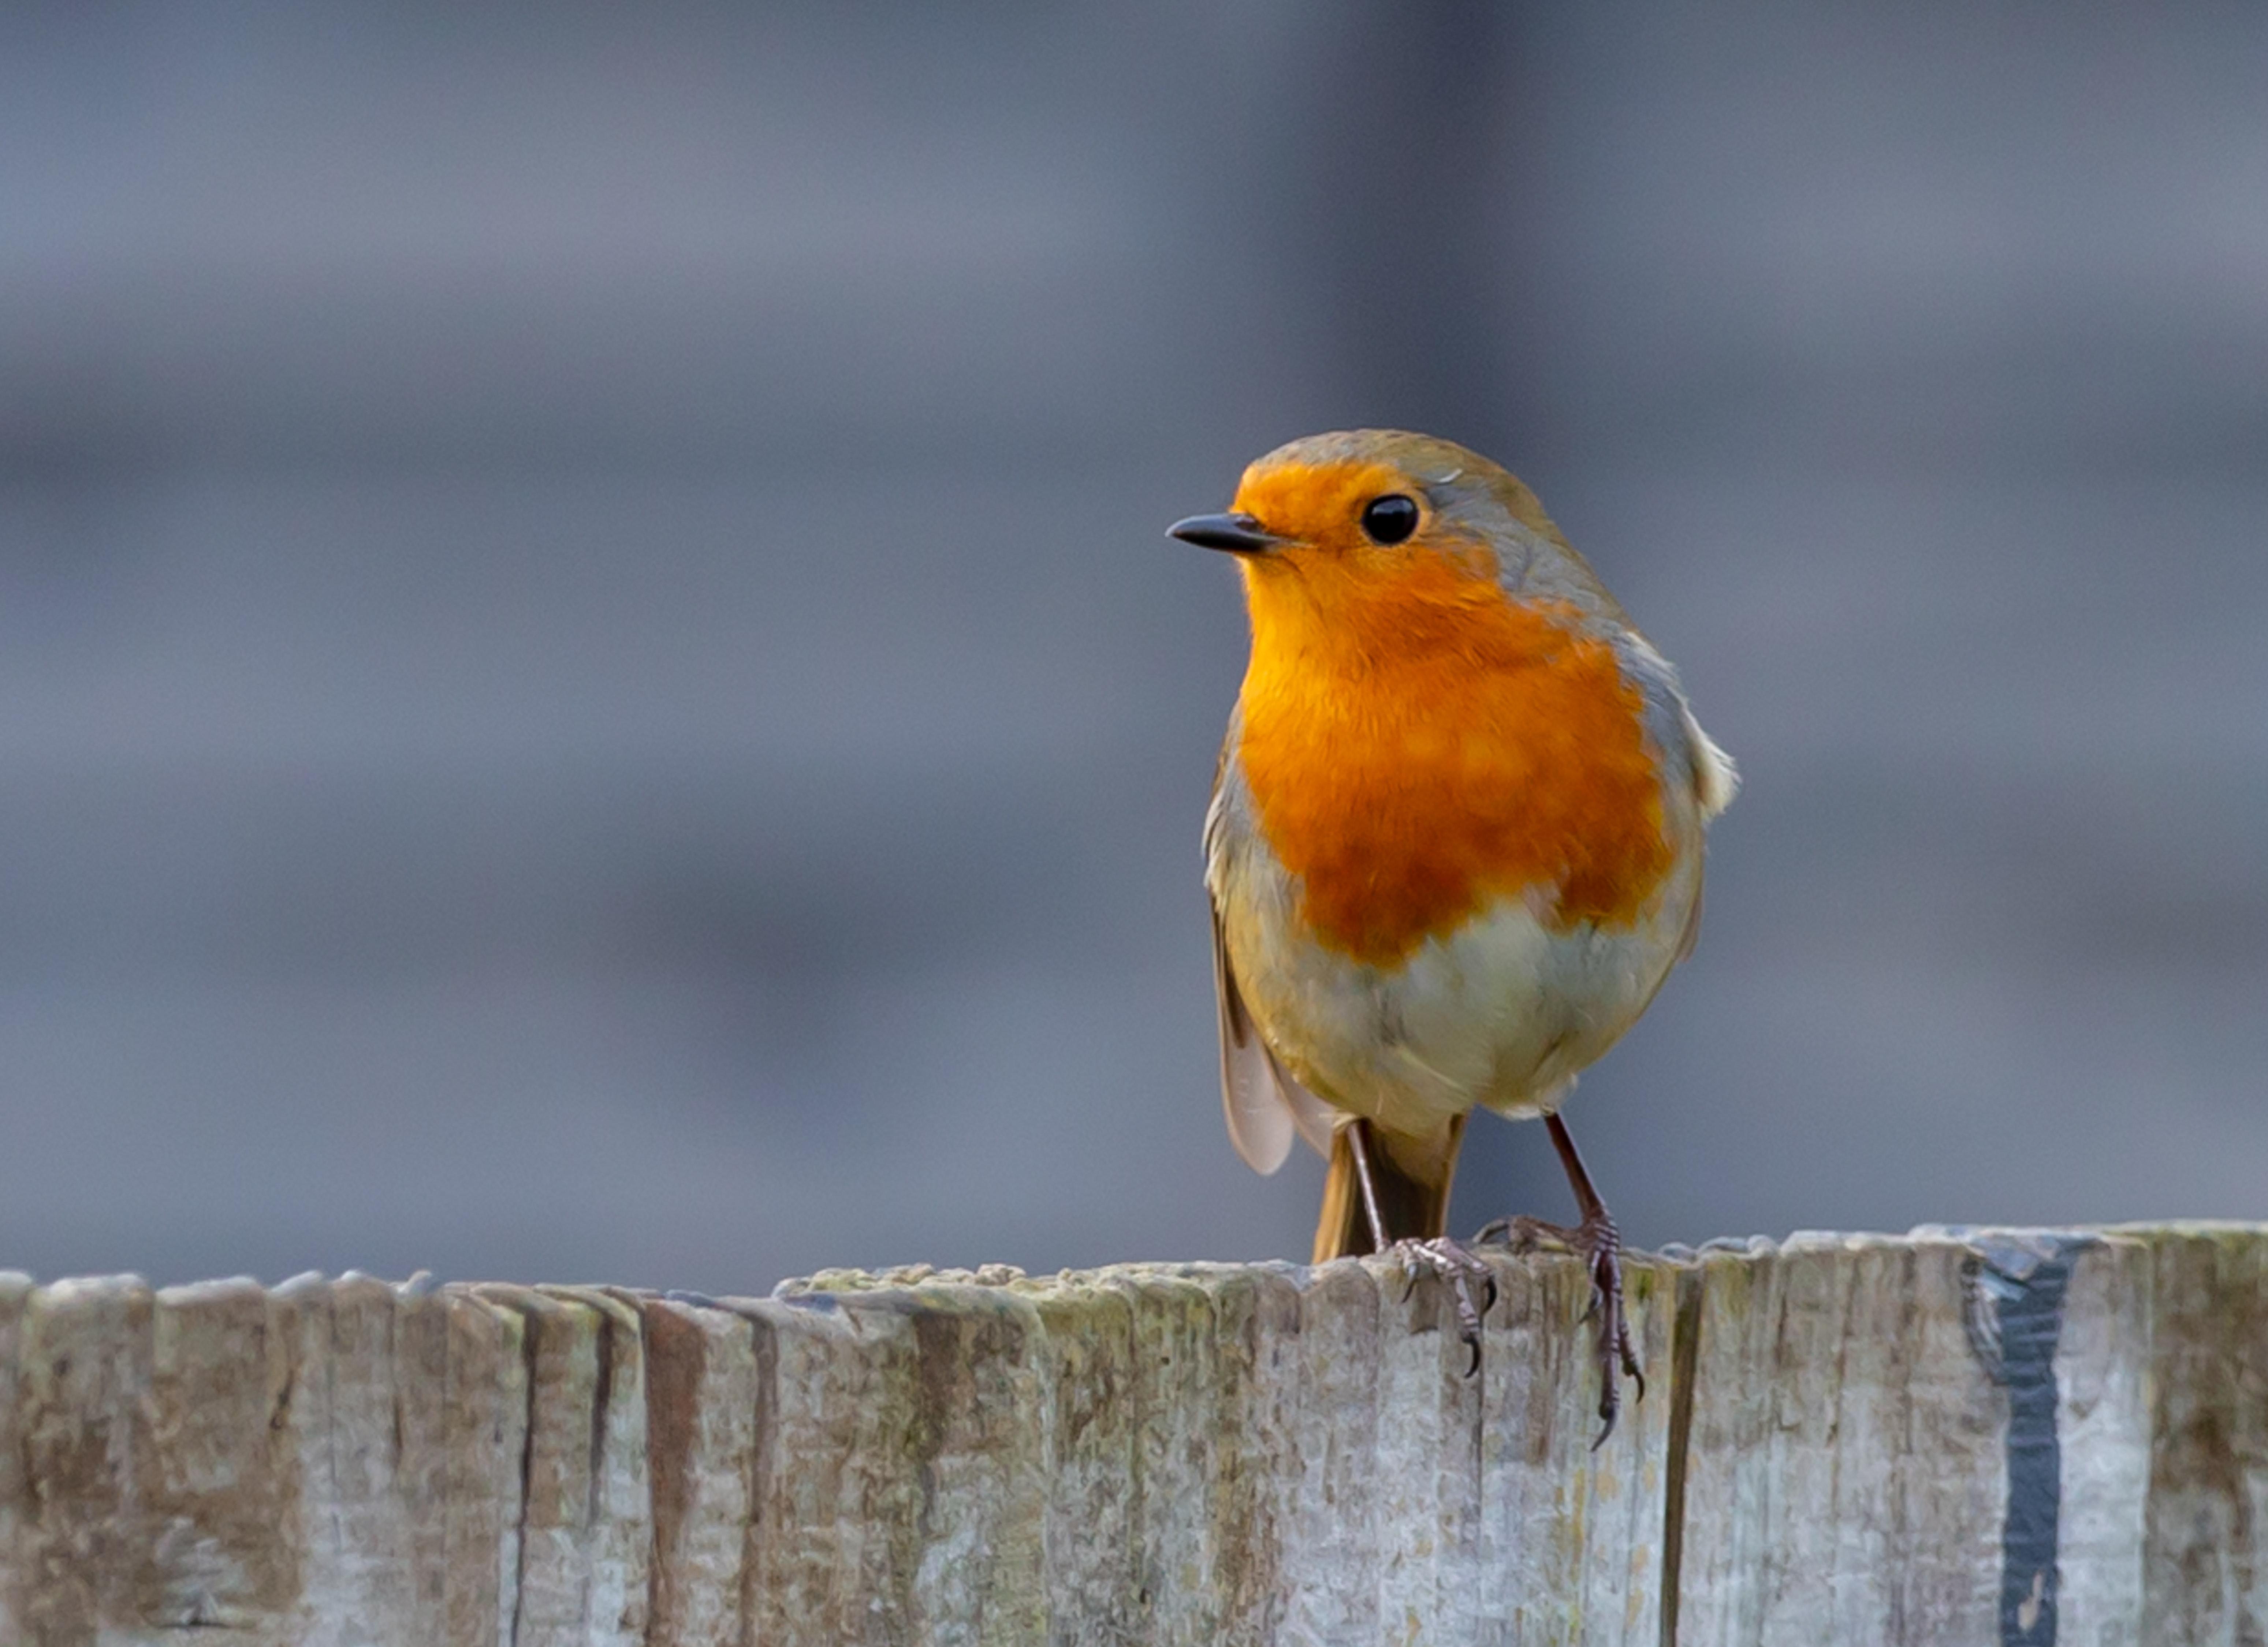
x=2005, y=1436
x=2205, y=1560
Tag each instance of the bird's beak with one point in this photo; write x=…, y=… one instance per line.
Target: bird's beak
x=1238, y=534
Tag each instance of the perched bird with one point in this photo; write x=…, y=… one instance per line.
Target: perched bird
x=1454, y=844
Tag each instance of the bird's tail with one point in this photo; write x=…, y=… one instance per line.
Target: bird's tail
x=1411, y=1179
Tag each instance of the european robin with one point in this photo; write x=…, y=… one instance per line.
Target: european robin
x=1454, y=844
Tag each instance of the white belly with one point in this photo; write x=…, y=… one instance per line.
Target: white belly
x=1500, y=1014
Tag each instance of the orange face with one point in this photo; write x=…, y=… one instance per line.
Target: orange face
x=1417, y=744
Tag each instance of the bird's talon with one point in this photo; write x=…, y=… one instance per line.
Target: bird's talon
x=1599, y=1244
x=1456, y=1266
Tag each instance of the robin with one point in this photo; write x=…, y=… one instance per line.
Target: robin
x=1454, y=844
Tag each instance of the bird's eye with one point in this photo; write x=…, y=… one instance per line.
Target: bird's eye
x=1390, y=518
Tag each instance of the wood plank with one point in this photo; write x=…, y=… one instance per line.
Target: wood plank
x=619, y=1539
x=83, y=1372
x=1570, y=1537
x=2205, y=1565
x=702, y=1397
x=213, y=1478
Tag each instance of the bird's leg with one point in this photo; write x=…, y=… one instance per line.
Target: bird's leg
x=1600, y=1245
x=1450, y=1260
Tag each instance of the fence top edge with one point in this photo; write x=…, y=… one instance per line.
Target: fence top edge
x=823, y=1288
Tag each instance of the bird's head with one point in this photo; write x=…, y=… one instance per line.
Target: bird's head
x=1384, y=538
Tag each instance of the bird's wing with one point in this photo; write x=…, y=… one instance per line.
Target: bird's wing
x=1266, y=1105
x=1259, y=1120
x=1669, y=722
x=1714, y=779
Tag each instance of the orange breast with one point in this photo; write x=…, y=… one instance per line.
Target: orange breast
x=1420, y=746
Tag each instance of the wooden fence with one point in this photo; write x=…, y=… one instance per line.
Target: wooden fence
x=1987, y=1437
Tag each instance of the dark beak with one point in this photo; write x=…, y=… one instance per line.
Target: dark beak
x=1238, y=534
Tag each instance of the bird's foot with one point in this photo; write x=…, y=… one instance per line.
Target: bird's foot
x=1464, y=1271
x=1600, y=1245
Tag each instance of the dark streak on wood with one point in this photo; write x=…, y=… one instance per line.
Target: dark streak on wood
x=1684, y=1361
x=2030, y=1322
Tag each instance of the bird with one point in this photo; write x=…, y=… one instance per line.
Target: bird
x=1454, y=844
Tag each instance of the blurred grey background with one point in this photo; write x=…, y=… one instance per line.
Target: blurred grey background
x=590, y=686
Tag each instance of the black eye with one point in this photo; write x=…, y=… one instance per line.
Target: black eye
x=1390, y=518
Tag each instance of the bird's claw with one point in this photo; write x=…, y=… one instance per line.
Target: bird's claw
x=1600, y=1245
x=1457, y=1265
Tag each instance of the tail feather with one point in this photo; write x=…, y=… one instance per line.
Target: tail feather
x=1413, y=1196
